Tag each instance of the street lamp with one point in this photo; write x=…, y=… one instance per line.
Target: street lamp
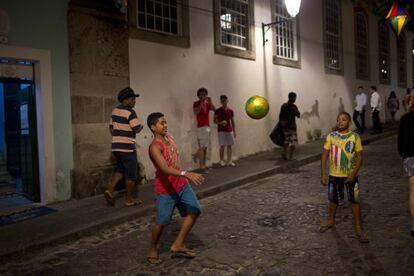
x=292, y=7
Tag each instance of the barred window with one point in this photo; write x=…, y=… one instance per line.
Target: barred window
x=384, y=53
x=160, y=21
x=285, y=32
x=234, y=19
x=158, y=15
x=402, y=62
x=333, y=36
x=234, y=28
x=361, y=44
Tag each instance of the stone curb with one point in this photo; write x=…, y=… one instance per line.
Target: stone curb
x=97, y=225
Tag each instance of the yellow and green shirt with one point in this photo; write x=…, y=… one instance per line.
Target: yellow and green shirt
x=342, y=149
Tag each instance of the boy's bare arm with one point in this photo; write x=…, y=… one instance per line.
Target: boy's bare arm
x=156, y=154
x=358, y=165
x=324, y=158
x=234, y=127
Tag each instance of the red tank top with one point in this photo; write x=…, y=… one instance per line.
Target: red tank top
x=168, y=184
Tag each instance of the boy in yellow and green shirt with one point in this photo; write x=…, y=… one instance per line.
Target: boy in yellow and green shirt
x=343, y=149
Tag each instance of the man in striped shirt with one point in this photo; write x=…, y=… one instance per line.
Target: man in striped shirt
x=124, y=126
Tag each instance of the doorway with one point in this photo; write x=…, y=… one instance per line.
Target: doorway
x=19, y=166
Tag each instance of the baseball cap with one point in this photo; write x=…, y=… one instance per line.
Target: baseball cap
x=126, y=93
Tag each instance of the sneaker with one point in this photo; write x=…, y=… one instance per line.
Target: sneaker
x=222, y=163
x=231, y=164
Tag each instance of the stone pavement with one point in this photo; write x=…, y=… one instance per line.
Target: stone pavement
x=266, y=227
x=77, y=218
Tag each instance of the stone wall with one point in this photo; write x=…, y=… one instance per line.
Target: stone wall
x=99, y=68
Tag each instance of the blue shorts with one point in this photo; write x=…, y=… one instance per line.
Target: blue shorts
x=336, y=187
x=127, y=164
x=186, y=202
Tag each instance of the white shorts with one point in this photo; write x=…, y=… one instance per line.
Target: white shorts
x=203, y=136
x=225, y=138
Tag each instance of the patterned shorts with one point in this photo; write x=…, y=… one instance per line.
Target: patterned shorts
x=336, y=188
x=291, y=137
x=408, y=164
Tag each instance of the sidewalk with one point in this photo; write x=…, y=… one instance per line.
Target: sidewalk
x=76, y=218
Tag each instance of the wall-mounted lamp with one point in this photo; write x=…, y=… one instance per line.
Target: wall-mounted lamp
x=292, y=7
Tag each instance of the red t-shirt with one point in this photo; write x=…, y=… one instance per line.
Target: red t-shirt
x=224, y=115
x=168, y=184
x=202, y=117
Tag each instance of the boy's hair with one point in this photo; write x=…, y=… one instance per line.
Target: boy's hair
x=201, y=90
x=223, y=97
x=153, y=119
x=292, y=96
x=360, y=87
x=373, y=87
x=346, y=114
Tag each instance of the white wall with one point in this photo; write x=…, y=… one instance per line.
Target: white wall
x=168, y=77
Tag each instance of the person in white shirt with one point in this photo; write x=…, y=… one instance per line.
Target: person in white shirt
x=375, y=109
x=359, y=110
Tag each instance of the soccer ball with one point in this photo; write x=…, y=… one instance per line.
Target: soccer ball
x=257, y=107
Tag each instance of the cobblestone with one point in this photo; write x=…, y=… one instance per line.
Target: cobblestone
x=267, y=227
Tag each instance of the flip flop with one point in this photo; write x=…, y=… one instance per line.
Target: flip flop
x=325, y=227
x=188, y=254
x=134, y=203
x=362, y=238
x=109, y=198
x=154, y=260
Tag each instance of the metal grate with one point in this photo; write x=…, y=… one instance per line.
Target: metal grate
x=234, y=23
x=158, y=15
x=286, y=38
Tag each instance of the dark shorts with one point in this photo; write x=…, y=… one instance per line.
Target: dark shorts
x=186, y=202
x=408, y=164
x=127, y=164
x=336, y=187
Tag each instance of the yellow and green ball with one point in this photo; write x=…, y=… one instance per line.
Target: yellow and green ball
x=257, y=107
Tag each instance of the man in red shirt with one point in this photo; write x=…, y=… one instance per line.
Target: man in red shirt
x=226, y=130
x=202, y=109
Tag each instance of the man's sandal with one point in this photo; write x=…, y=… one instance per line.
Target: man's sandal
x=133, y=203
x=154, y=260
x=109, y=198
x=325, y=227
x=362, y=237
x=188, y=254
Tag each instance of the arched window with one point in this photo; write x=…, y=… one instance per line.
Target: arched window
x=402, y=61
x=361, y=44
x=333, y=36
x=384, y=53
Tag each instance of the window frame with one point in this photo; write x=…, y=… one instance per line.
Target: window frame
x=365, y=75
x=227, y=50
x=402, y=60
x=384, y=55
x=329, y=70
x=182, y=39
x=278, y=60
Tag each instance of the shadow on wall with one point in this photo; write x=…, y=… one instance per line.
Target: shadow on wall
x=313, y=133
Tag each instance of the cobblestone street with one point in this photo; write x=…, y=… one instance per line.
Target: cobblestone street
x=269, y=226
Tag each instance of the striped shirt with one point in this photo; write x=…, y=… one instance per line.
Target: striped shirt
x=125, y=125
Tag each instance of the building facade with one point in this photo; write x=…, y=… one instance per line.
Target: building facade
x=166, y=50
x=35, y=93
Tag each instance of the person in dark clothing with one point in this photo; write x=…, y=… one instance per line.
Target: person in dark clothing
x=393, y=105
x=287, y=120
x=406, y=150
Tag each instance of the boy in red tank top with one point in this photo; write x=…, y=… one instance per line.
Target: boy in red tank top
x=172, y=189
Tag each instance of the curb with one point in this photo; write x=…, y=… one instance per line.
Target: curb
x=97, y=225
